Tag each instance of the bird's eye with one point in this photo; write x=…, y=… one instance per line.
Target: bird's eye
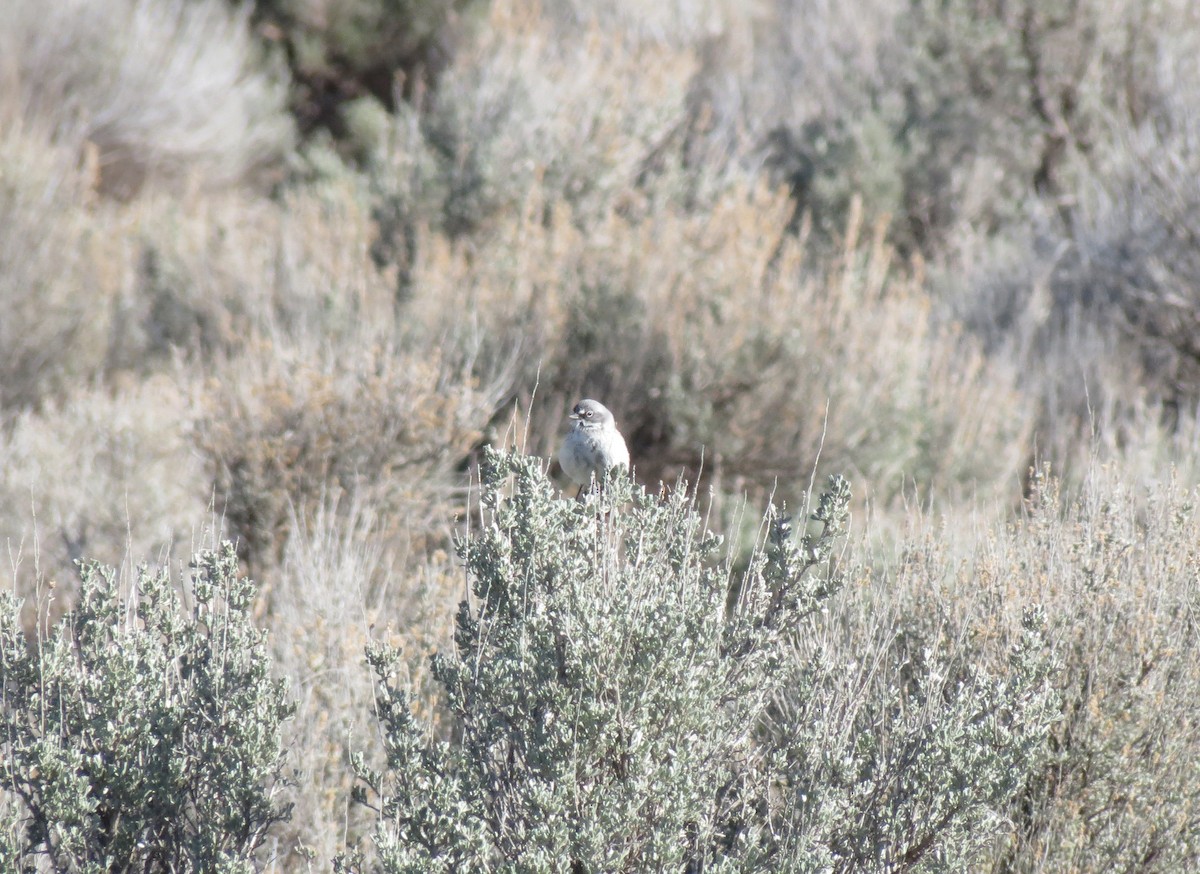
x=588, y=414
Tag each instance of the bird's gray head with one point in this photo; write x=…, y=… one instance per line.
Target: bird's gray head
x=591, y=414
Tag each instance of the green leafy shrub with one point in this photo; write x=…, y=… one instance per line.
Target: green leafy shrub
x=614, y=703
x=140, y=734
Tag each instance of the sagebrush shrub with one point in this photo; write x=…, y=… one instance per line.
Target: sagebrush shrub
x=162, y=90
x=905, y=750
x=945, y=113
x=139, y=733
x=1100, y=309
x=592, y=120
x=616, y=701
x=1118, y=571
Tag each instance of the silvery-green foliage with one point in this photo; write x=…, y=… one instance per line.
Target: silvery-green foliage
x=604, y=705
x=911, y=758
x=619, y=700
x=140, y=734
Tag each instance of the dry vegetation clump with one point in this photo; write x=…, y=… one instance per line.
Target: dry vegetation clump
x=791, y=94
x=1102, y=312
x=676, y=23
x=168, y=90
x=348, y=577
x=943, y=114
x=209, y=275
x=344, y=55
x=587, y=121
x=736, y=342
x=387, y=429
x=107, y=475
x=56, y=303
x=1115, y=571
x=1090, y=290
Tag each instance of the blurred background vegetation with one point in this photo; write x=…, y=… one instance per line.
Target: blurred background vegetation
x=277, y=273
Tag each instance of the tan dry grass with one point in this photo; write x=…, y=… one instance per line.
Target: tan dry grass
x=346, y=578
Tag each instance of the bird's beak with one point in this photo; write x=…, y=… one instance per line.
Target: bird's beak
x=573, y=416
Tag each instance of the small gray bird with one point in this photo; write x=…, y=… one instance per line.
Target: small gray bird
x=593, y=446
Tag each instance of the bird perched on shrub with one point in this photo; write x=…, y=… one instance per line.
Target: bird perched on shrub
x=593, y=446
